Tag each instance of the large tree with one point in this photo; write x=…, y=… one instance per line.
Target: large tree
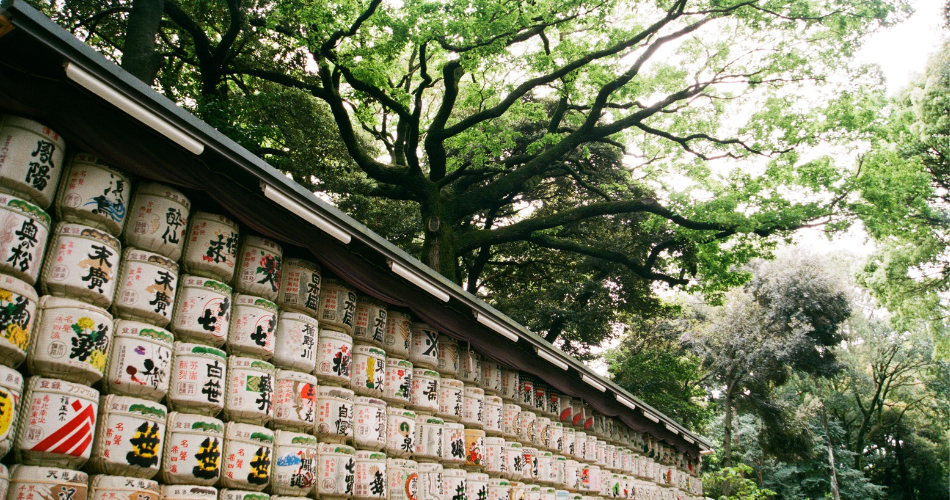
x=602, y=145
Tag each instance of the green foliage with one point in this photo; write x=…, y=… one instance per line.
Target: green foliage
x=733, y=483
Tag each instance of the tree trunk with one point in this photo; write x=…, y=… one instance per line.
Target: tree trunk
x=908, y=493
x=727, y=433
x=438, y=248
x=138, y=51
x=831, y=456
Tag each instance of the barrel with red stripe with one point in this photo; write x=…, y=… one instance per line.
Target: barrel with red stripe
x=58, y=423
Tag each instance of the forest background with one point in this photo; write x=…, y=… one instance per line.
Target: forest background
x=626, y=173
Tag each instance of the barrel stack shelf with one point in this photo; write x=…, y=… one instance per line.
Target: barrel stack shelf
x=179, y=320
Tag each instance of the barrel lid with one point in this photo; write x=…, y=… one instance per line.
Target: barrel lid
x=61, y=386
x=131, y=254
x=27, y=473
x=183, y=348
x=221, y=219
x=102, y=481
x=83, y=231
x=26, y=208
x=187, y=490
x=197, y=423
x=237, y=430
x=327, y=448
x=164, y=191
x=366, y=400
x=243, y=299
x=54, y=302
x=289, y=438
x=295, y=375
x=138, y=329
x=244, y=362
x=19, y=287
x=193, y=280
x=370, y=455
x=113, y=403
x=228, y=494
x=303, y=264
x=329, y=391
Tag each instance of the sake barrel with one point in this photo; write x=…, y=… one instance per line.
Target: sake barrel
x=104, y=487
x=571, y=474
x=18, y=304
x=454, y=482
x=541, y=399
x=197, y=383
x=532, y=491
x=294, y=468
x=403, y=479
x=369, y=326
x=248, y=452
x=509, y=385
x=557, y=472
x=253, y=327
x=188, y=492
x=129, y=437
x=397, y=340
x=474, y=449
x=337, y=305
x=491, y=377
x=424, y=352
x=398, y=387
x=580, y=443
x=425, y=390
x=229, y=494
x=450, y=399
x=430, y=481
x=211, y=246
x=250, y=391
x=369, y=427
x=525, y=423
x=295, y=342
x=476, y=485
x=566, y=409
x=473, y=407
x=400, y=432
x=530, y=470
x=258, y=267
x=526, y=391
x=510, y=415
x=334, y=414
x=470, y=366
x=428, y=441
x=370, y=481
x=202, y=310
x=498, y=488
x=147, y=283
x=193, y=446
x=93, y=193
x=157, y=220
x=493, y=415
x=514, y=460
x=11, y=389
x=548, y=493
x=590, y=448
x=82, y=263
x=139, y=361
x=578, y=413
x=610, y=457
x=517, y=490
x=295, y=401
x=494, y=455
x=554, y=437
x=545, y=464
x=36, y=482
x=567, y=446
x=562, y=495
x=448, y=356
x=71, y=341
x=453, y=444
x=336, y=470
x=539, y=431
x=588, y=420
x=368, y=371
x=31, y=159
x=60, y=434
x=334, y=356
x=24, y=231
x=299, y=287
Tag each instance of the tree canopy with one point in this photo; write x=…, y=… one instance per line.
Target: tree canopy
x=602, y=146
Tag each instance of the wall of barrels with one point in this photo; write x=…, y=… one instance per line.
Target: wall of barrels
x=153, y=351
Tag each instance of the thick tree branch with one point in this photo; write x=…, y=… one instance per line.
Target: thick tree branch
x=607, y=255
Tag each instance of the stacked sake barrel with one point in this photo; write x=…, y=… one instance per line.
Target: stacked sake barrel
x=171, y=354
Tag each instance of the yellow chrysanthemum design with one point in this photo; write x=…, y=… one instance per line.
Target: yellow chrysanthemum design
x=17, y=336
x=97, y=360
x=86, y=323
x=6, y=296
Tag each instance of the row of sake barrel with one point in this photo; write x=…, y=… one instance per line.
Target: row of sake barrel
x=368, y=477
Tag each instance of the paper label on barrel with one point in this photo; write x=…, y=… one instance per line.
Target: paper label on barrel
x=336, y=475
x=74, y=338
x=138, y=366
x=295, y=470
x=475, y=449
x=58, y=423
x=370, y=479
x=203, y=312
x=22, y=239
x=295, y=402
x=17, y=316
x=247, y=463
x=132, y=441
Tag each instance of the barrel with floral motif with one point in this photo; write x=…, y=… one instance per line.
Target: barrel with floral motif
x=32, y=159
x=371, y=477
x=147, y=283
x=368, y=370
x=424, y=352
x=11, y=389
x=334, y=414
x=334, y=357
x=369, y=325
x=71, y=341
x=448, y=356
x=129, y=437
x=398, y=387
x=295, y=345
x=47, y=483
x=453, y=443
x=300, y=286
x=193, y=447
x=253, y=327
x=62, y=421
x=250, y=391
x=24, y=231
x=336, y=470
x=82, y=263
x=425, y=390
x=295, y=401
x=294, y=464
x=202, y=311
x=397, y=340
x=247, y=456
x=188, y=492
x=474, y=449
x=337, y=306
x=400, y=432
x=258, y=267
x=403, y=479
x=198, y=379
x=211, y=246
x=139, y=360
x=157, y=220
x=18, y=304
